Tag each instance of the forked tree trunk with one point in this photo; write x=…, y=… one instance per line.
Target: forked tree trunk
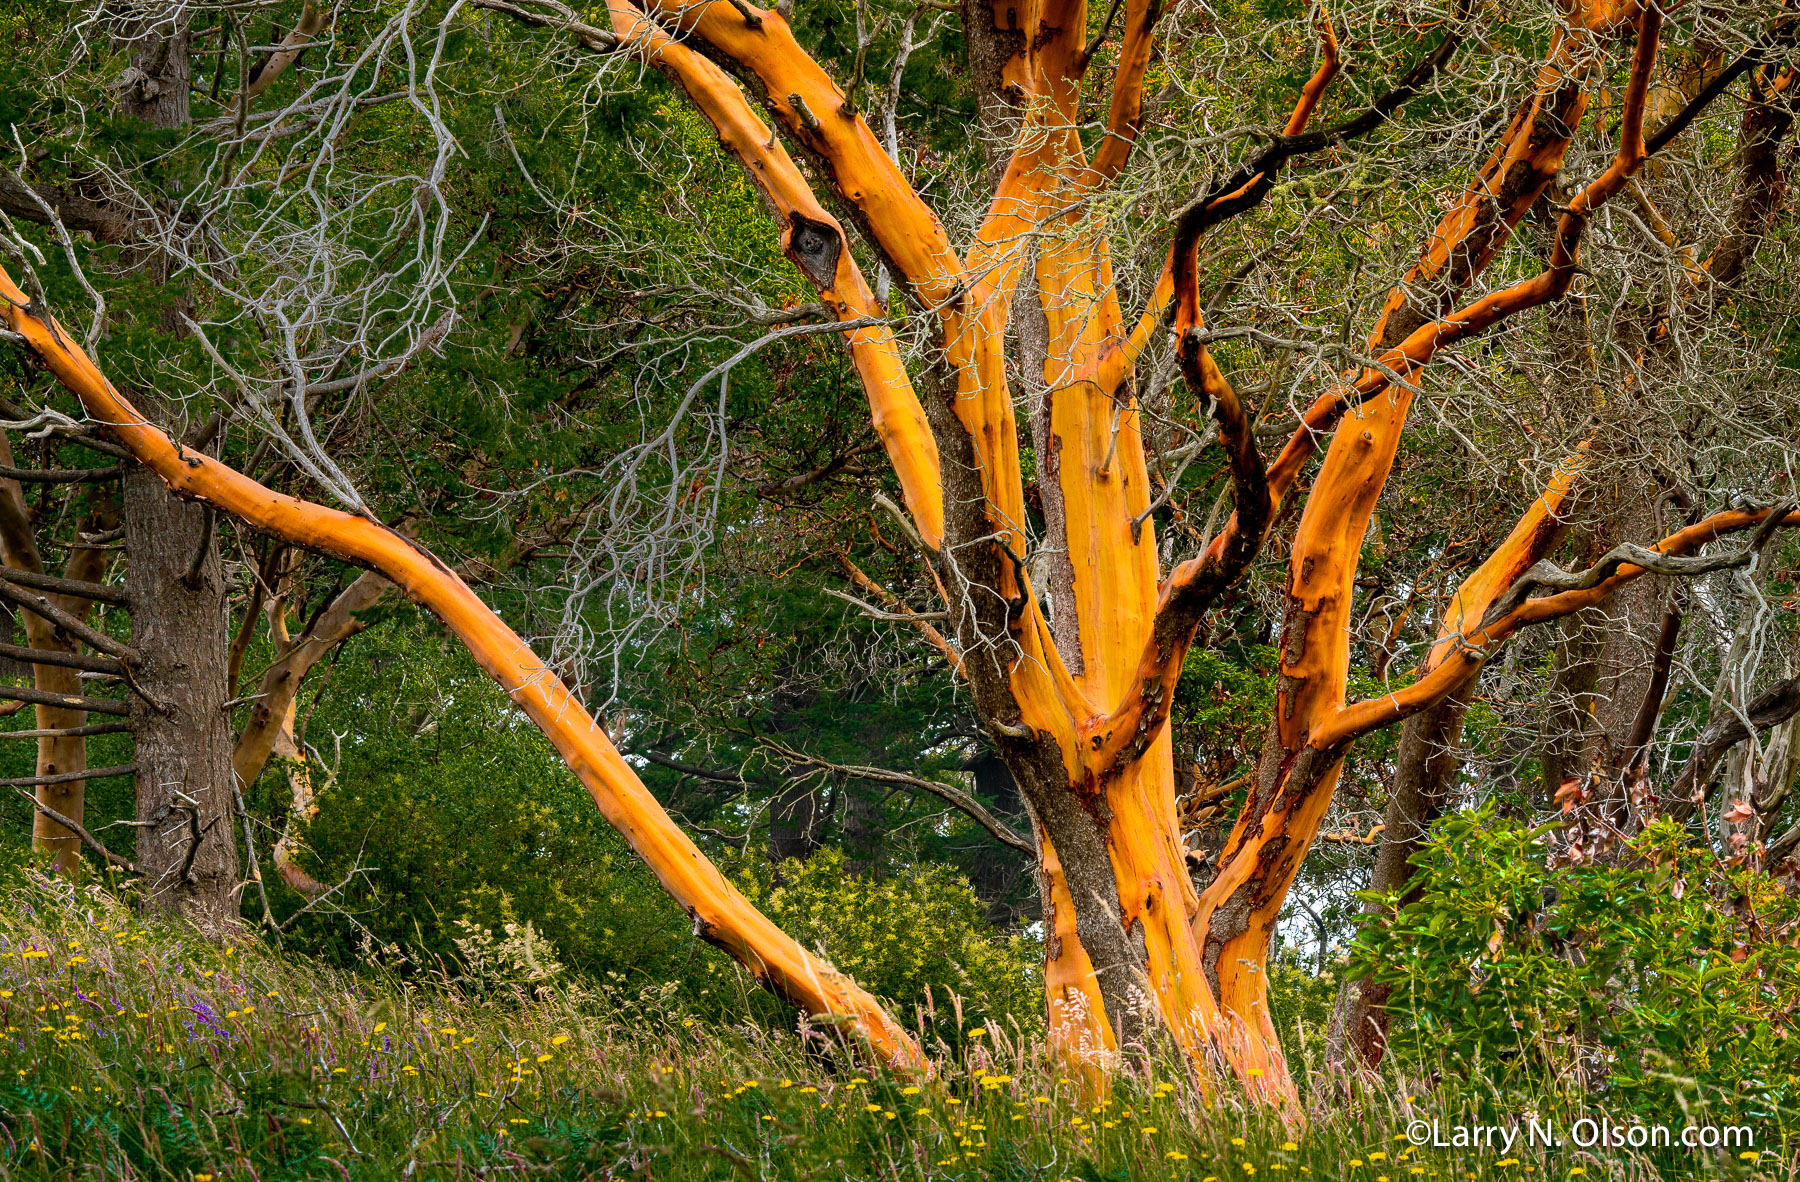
x=187, y=852
x=1606, y=657
x=1136, y=955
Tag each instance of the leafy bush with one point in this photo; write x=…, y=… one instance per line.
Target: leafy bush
x=1300, y=1005
x=1665, y=982
x=917, y=938
x=458, y=812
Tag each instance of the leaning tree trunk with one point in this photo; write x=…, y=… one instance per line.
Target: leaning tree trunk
x=720, y=913
x=187, y=843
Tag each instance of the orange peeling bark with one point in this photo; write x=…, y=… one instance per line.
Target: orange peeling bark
x=1281, y=820
x=720, y=914
x=816, y=243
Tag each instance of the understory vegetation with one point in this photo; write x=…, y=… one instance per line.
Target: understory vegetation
x=134, y=1050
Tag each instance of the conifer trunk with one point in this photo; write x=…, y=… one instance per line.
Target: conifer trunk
x=187, y=851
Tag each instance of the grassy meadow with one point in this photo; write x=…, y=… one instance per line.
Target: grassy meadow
x=138, y=1051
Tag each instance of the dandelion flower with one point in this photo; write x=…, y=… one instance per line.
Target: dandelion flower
x=1289, y=1146
x=559, y=1040
x=1175, y=1155
x=1147, y=1130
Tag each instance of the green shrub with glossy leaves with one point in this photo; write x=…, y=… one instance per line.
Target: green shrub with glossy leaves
x=1666, y=982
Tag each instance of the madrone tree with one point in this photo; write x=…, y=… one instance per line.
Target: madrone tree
x=1062, y=617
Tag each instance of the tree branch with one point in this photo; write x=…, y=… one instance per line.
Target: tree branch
x=1508, y=616
x=40, y=606
x=955, y=797
x=67, y=660
x=93, y=773
x=87, y=839
x=75, y=587
x=38, y=697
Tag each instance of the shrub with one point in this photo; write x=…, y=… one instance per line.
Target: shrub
x=1665, y=982
x=1300, y=1005
x=461, y=814
x=917, y=938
